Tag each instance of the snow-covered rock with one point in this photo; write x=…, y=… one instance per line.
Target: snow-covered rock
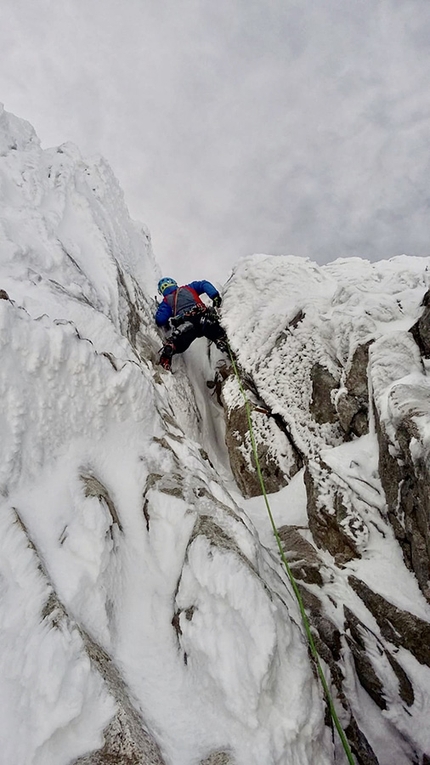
x=141, y=620
x=338, y=355
x=145, y=616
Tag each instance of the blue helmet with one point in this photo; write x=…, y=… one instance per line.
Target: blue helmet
x=166, y=282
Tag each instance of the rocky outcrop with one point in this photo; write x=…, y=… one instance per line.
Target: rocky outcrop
x=421, y=329
x=405, y=481
x=333, y=524
x=136, y=318
x=94, y=488
x=404, y=462
x=279, y=460
x=401, y=628
x=305, y=565
x=402, y=420
x=373, y=651
x=352, y=401
x=331, y=393
x=364, y=644
x=301, y=555
x=323, y=386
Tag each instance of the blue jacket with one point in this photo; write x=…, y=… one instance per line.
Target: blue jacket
x=165, y=309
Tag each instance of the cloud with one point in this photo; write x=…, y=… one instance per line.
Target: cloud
x=240, y=126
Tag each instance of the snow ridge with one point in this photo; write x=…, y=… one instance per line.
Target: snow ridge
x=133, y=583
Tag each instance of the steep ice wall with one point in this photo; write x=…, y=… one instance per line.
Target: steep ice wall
x=141, y=620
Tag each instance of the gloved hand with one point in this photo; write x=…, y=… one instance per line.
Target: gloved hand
x=216, y=302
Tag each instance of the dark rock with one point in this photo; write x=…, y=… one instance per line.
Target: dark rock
x=326, y=526
x=207, y=527
x=242, y=459
x=347, y=408
x=421, y=329
x=363, y=666
x=277, y=469
x=352, y=405
x=328, y=644
x=401, y=628
x=356, y=378
x=405, y=481
x=301, y=555
x=327, y=631
x=298, y=318
x=359, y=744
x=136, y=318
x=133, y=317
x=4, y=295
x=176, y=623
x=323, y=383
x=405, y=686
x=363, y=642
x=120, y=748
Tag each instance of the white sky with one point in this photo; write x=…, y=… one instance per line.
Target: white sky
x=237, y=126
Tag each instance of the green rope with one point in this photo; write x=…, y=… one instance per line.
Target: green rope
x=296, y=590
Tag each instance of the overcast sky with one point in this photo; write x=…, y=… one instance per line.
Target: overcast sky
x=238, y=126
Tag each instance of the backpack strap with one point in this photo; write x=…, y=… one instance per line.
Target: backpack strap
x=195, y=294
x=173, y=301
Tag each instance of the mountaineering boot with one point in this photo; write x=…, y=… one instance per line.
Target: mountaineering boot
x=166, y=363
x=165, y=359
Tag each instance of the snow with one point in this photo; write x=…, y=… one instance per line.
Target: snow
x=47, y=682
x=288, y=507
x=124, y=520
x=118, y=505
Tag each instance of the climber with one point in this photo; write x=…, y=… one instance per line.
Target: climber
x=182, y=310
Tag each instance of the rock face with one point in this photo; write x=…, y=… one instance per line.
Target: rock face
x=323, y=386
x=333, y=525
x=278, y=458
x=406, y=482
x=353, y=395
x=421, y=329
x=403, y=451
x=352, y=402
